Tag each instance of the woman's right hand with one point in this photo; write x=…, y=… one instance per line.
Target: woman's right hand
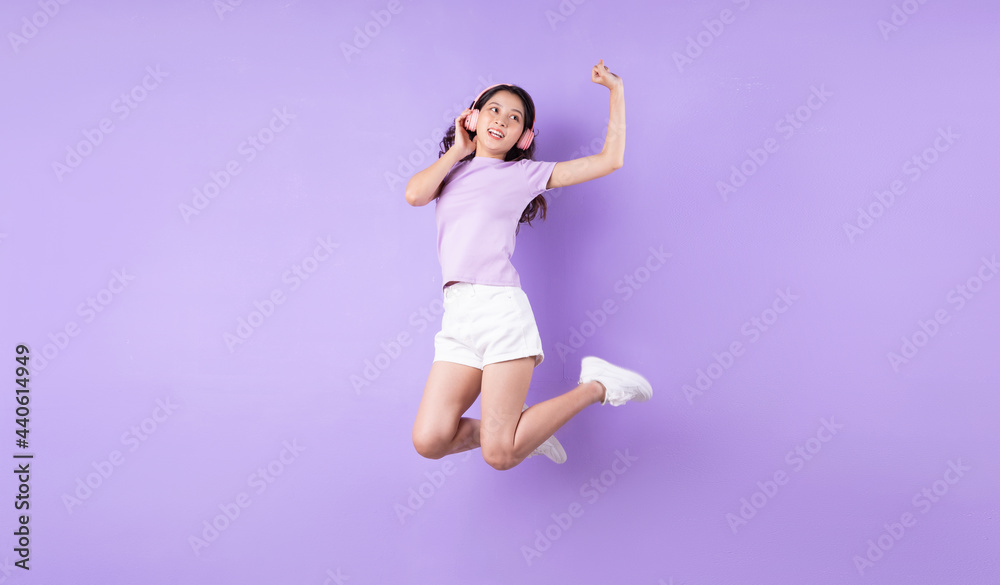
x=464, y=145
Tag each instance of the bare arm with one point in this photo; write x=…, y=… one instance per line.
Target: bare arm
x=614, y=144
x=425, y=186
x=612, y=156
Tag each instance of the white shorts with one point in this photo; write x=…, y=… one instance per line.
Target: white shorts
x=484, y=324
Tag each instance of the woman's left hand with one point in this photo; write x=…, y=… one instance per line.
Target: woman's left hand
x=602, y=75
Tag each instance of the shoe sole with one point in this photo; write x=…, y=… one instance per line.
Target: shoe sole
x=560, y=455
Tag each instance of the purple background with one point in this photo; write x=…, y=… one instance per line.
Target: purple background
x=345, y=502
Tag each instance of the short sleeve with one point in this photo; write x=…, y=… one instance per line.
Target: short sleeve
x=537, y=173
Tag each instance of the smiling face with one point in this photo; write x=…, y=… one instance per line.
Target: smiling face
x=500, y=124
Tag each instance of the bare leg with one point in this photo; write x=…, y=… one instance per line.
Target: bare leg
x=466, y=438
x=507, y=435
x=440, y=429
x=542, y=420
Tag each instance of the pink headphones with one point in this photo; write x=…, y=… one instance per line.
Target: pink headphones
x=473, y=119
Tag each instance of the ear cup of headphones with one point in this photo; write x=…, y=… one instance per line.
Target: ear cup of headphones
x=526, y=139
x=471, y=120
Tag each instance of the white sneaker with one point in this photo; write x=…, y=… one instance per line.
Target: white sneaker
x=551, y=448
x=620, y=385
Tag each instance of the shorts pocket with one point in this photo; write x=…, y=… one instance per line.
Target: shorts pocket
x=518, y=299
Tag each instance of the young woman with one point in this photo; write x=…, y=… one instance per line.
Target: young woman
x=485, y=184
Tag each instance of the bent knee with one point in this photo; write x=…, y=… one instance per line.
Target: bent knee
x=430, y=444
x=500, y=458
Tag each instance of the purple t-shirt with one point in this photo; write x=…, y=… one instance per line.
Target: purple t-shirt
x=477, y=212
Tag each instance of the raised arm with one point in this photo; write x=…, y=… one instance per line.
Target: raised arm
x=425, y=186
x=612, y=156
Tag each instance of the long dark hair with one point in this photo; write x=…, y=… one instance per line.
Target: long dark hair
x=538, y=203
